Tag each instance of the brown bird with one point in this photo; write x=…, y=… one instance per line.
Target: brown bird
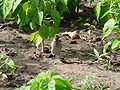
x=56, y=45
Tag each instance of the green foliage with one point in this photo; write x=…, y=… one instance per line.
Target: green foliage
x=108, y=27
x=108, y=65
x=8, y=62
x=91, y=29
x=98, y=56
x=47, y=81
x=54, y=81
x=90, y=84
x=68, y=8
x=108, y=13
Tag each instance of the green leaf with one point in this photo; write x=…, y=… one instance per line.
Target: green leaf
x=57, y=77
x=38, y=17
x=44, y=31
x=44, y=85
x=37, y=40
x=53, y=1
x=96, y=52
x=106, y=46
x=26, y=5
x=108, y=27
x=63, y=84
x=51, y=85
x=33, y=84
x=7, y=6
x=32, y=36
x=97, y=10
x=115, y=43
x=86, y=24
x=1, y=55
x=56, y=17
x=40, y=77
x=4, y=75
x=24, y=87
x=92, y=26
x=15, y=5
x=53, y=31
x=10, y=64
x=104, y=54
x=106, y=13
x=32, y=25
x=64, y=2
x=35, y=3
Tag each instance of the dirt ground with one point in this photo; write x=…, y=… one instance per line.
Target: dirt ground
x=74, y=54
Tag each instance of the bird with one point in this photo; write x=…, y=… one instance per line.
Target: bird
x=56, y=45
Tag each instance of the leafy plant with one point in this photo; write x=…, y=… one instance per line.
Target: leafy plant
x=68, y=8
x=108, y=65
x=47, y=81
x=8, y=63
x=54, y=81
x=91, y=29
x=87, y=82
x=90, y=84
x=107, y=12
x=79, y=19
x=98, y=56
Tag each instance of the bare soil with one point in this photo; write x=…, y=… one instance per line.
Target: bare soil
x=75, y=57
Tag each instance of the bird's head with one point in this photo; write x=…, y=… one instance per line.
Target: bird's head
x=57, y=36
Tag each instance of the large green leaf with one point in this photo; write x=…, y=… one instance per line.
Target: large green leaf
x=55, y=16
x=38, y=39
x=24, y=21
x=16, y=3
x=44, y=31
x=115, y=43
x=106, y=13
x=7, y=6
x=33, y=84
x=62, y=84
x=108, y=27
x=97, y=10
x=35, y=3
x=32, y=36
x=38, y=17
x=53, y=31
x=106, y=46
x=26, y=5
